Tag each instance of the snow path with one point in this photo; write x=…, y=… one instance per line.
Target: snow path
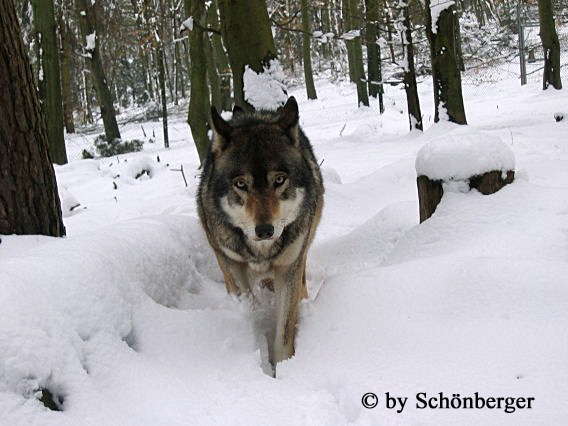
x=127, y=318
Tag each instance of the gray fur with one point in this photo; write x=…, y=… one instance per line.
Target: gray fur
x=253, y=148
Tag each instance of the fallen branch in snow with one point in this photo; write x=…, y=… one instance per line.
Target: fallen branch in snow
x=182, y=173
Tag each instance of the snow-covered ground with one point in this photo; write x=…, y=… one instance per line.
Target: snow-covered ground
x=127, y=320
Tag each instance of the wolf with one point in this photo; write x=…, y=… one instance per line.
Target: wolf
x=260, y=200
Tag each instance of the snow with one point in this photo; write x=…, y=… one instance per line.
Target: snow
x=127, y=318
x=436, y=8
x=187, y=24
x=265, y=90
x=350, y=35
x=463, y=153
x=69, y=203
x=90, y=38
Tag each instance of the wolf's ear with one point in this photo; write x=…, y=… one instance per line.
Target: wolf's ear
x=237, y=110
x=288, y=120
x=221, y=131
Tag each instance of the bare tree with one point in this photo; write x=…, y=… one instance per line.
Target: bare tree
x=306, y=50
x=87, y=23
x=405, y=29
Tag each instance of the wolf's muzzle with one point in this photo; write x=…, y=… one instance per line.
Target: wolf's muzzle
x=264, y=231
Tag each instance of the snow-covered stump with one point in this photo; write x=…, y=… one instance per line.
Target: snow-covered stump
x=461, y=162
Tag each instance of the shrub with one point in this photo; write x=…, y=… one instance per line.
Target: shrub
x=117, y=146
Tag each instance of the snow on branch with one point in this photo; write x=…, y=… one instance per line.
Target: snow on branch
x=186, y=25
x=350, y=35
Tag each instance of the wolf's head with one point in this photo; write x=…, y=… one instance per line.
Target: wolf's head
x=260, y=174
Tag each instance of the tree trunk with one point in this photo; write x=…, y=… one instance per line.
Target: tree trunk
x=389, y=33
x=358, y=68
x=306, y=50
x=430, y=191
x=87, y=24
x=212, y=74
x=162, y=78
x=221, y=60
x=88, y=117
x=158, y=46
x=212, y=70
x=66, y=75
x=50, y=80
x=178, y=70
x=410, y=86
x=246, y=44
x=29, y=203
x=346, y=11
x=373, y=65
x=445, y=68
x=550, y=44
x=198, y=116
x=326, y=28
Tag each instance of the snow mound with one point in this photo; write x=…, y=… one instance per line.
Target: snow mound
x=329, y=174
x=70, y=205
x=460, y=156
x=54, y=327
x=142, y=168
x=265, y=90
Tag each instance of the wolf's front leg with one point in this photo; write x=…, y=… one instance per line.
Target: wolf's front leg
x=289, y=286
x=234, y=275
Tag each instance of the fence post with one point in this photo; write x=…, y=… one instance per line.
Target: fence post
x=521, y=32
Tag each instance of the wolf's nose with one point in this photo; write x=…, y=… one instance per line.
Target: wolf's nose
x=264, y=231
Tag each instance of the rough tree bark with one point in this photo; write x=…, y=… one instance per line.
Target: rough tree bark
x=550, y=44
x=50, y=79
x=445, y=66
x=246, y=44
x=87, y=24
x=29, y=203
x=306, y=50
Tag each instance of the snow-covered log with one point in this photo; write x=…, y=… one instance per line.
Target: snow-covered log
x=463, y=161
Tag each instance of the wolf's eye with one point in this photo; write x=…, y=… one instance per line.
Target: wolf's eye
x=241, y=184
x=280, y=179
